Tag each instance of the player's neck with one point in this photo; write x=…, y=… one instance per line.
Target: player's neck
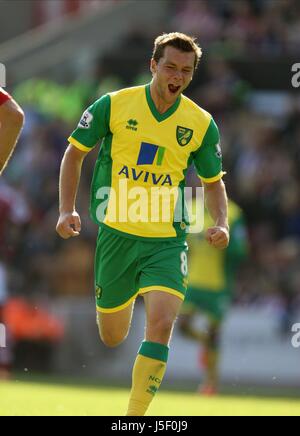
x=161, y=105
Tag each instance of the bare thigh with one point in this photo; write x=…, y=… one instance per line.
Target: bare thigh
x=114, y=327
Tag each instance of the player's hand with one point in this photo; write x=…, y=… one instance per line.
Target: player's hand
x=68, y=225
x=218, y=237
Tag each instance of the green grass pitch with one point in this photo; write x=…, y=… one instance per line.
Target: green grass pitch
x=23, y=398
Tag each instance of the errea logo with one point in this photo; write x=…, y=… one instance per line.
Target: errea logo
x=152, y=390
x=131, y=125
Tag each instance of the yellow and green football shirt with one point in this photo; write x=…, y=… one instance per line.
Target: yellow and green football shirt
x=139, y=176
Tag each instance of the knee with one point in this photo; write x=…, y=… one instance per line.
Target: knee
x=114, y=327
x=111, y=339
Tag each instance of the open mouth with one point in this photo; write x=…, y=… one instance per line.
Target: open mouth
x=173, y=89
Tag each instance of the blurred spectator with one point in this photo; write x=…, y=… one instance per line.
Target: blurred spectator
x=34, y=334
x=241, y=27
x=49, y=10
x=72, y=272
x=199, y=19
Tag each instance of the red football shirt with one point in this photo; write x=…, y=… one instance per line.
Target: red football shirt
x=4, y=96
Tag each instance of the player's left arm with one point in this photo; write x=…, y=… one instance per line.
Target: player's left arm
x=217, y=205
x=11, y=123
x=208, y=162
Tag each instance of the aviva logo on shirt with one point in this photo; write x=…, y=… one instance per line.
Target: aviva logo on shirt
x=151, y=154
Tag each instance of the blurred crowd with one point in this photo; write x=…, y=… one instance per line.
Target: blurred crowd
x=260, y=140
x=242, y=27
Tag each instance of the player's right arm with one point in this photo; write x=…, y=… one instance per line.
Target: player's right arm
x=11, y=123
x=69, y=224
x=93, y=126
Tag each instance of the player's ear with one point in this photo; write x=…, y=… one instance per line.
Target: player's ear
x=153, y=66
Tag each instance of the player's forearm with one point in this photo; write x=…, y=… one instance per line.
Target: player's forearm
x=70, y=172
x=11, y=123
x=217, y=203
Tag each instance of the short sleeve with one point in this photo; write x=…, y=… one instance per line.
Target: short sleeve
x=208, y=157
x=93, y=125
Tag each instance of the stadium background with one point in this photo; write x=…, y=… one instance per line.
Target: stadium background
x=62, y=55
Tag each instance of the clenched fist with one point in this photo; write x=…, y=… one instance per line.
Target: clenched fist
x=218, y=237
x=68, y=225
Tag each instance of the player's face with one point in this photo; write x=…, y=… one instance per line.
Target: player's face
x=172, y=73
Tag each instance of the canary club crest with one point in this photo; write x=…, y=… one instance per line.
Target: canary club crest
x=98, y=292
x=183, y=135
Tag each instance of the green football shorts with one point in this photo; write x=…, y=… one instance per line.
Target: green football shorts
x=214, y=304
x=126, y=268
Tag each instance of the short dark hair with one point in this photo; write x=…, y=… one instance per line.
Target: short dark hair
x=178, y=40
